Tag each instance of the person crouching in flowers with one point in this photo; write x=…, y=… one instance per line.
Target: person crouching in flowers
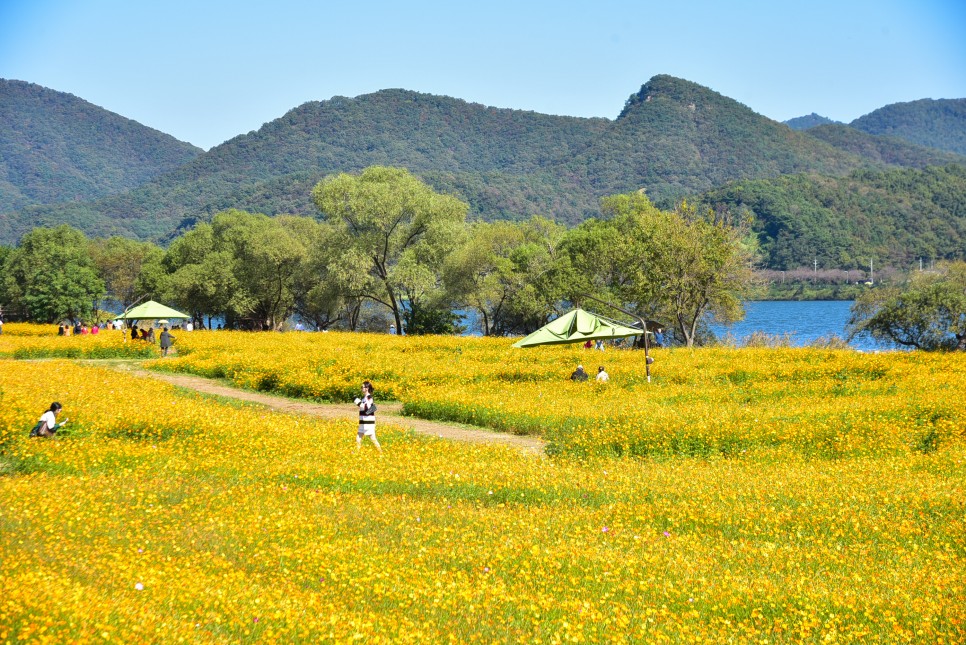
x=367, y=417
x=48, y=426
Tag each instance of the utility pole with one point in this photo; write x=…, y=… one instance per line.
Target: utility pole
x=871, y=273
x=920, y=263
x=815, y=272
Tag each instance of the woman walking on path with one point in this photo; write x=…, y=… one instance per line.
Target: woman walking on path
x=367, y=417
x=167, y=340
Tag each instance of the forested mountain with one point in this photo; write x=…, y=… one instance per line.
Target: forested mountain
x=892, y=217
x=935, y=123
x=887, y=150
x=55, y=147
x=808, y=121
x=673, y=138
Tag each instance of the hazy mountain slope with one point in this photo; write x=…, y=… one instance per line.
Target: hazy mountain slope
x=424, y=133
x=674, y=138
x=892, y=217
x=884, y=149
x=935, y=123
x=55, y=147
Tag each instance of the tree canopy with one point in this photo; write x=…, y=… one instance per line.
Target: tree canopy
x=926, y=312
x=398, y=232
x=50, y=276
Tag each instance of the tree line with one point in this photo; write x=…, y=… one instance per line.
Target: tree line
x=387, y=248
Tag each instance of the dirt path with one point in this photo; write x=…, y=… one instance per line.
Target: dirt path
x=388, y=412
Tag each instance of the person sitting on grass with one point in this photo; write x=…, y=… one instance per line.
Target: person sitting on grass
x=48, y=426
x=579, y=374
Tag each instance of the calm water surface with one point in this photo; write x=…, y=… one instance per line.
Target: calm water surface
x=802, y=321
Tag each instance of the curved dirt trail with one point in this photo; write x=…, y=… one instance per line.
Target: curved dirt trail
x=388, y=412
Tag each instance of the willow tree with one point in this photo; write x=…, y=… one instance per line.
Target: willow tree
x=684, y=266
x=398, y=231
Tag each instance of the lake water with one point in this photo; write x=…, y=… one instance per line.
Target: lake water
x=802, y=321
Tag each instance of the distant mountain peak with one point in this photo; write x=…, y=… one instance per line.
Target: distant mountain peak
x=808, y=121
x=677, y=90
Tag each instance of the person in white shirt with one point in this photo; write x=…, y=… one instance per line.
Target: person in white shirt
x=602, y=375
x=367, y=417
x=48, y=426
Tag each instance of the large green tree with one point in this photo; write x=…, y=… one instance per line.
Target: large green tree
x=684, y=267
x=50, y=276
x=244, y=265
x=927, y=312
x=199, y=278
x=508, y=273
x=398, y=230
x=129, y=269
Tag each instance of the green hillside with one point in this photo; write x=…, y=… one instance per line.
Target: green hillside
x=887, y=150
x=55, y=147
x=676, y=138
x=935, y=123
x=673, y=138
x=893, y=217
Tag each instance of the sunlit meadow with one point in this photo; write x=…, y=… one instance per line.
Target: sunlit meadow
x=745, y=495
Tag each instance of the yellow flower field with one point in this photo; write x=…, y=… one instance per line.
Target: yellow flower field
x=166, y=516
x=822, y=403
x=24, y=341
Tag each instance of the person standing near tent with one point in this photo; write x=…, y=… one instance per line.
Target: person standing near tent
x=367, y=417
x=167, y=340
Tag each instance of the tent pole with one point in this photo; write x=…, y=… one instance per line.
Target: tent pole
x=647, y=344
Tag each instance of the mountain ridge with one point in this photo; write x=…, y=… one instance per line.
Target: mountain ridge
x=56, y=147
x=673, y=138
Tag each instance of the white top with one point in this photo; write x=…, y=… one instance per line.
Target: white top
x=49, y=417
x=188, y=326
x=602, y=376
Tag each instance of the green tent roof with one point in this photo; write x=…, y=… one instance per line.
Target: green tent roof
x=577, y=326
x=152, y=310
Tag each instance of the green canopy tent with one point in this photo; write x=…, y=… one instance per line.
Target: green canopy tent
x=152, y=310
x=577, y=326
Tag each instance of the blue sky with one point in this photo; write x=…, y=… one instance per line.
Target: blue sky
x=205, y=71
